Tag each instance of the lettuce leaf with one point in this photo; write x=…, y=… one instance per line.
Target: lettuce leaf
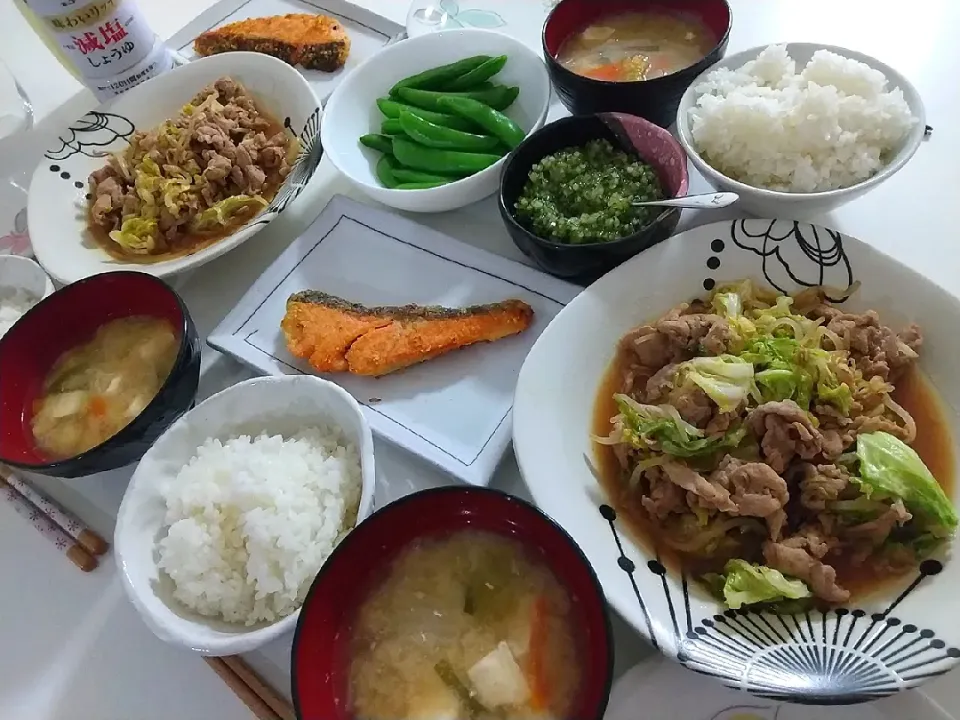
x=889, y=468
x=726, y=379
x=746, y=584
x=652, y=427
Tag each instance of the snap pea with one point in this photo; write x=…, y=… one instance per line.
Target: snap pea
x=385, y=172
x=494, y=122
x=391, y=126
x=426, y=133
x=437, y=77
x=420, y=185
x=479, y=74
x=440, y=161
x=391, y=110
x=383, y=143
x=406, y=175
x=499, y=97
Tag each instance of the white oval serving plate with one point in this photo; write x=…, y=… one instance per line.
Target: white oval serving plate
x=57, y=204
x=893, y=639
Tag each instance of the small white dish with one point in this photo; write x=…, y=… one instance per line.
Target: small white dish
x=658, y=688
x=895, y=638
x=22, y=273
x=352, y=111
x=773, y=203
x=57, y=203
x=278, y=405
x=453, y=411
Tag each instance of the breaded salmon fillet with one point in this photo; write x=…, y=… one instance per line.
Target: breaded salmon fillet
x=335, y=335
x=317, y=42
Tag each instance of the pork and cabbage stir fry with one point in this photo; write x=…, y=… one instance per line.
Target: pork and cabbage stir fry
x=204, y=172
x=759, y=433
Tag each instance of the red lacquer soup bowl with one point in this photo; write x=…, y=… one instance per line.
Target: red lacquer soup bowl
x=67, y=319
x=320, y=659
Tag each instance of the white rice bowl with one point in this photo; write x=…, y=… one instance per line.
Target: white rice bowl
x=252, y=520
x=230, y=515
x=830, y=126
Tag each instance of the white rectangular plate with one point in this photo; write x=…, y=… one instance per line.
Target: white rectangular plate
x=368, y=32
x=454, y=410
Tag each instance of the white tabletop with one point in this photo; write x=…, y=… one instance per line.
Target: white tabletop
x=73, y=647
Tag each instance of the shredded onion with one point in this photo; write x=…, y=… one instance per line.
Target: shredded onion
x=826, y=333
x=909, y=424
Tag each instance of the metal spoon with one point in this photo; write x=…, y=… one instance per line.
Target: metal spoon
x=706, y=201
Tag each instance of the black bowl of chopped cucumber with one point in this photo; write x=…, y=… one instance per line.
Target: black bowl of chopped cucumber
x=566, y=192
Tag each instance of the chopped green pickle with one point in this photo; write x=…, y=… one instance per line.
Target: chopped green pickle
x=584, y=195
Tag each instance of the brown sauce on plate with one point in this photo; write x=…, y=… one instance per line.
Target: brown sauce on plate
x=914, y=393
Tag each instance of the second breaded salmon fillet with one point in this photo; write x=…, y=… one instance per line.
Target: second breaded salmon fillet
x=335, y=335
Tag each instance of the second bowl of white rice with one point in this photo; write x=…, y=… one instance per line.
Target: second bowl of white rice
x=232, y=512
x=799, y=129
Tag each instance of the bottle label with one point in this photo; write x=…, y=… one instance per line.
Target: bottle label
x=108, y=41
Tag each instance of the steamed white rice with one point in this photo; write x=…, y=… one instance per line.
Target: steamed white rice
x=253, y=519
x=830, y=126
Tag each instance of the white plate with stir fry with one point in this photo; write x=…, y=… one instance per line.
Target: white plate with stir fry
x=176, y=172
x=758, y=456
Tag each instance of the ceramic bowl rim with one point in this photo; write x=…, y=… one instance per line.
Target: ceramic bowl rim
x=910, y=146
x=402, y=505
x=27, y=262
x=186, y=328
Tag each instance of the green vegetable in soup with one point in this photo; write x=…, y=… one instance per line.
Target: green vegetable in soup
x=584, y=195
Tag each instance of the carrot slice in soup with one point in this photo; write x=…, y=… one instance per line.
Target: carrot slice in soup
x=537, y=658
x=97, y=406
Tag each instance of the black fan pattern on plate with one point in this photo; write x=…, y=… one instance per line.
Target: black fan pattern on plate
x=839, y=657
x=835, y=658
x=792, y=254
x=306, y=164
x=90, y=135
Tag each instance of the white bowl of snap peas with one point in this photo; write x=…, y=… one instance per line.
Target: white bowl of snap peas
x=451, y=106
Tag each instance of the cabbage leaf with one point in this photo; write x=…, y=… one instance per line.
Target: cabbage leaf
x=136, y=235
x=651, y=427
x=225, y=212
x=726, y=379
x=891, y=469
x=746, y=584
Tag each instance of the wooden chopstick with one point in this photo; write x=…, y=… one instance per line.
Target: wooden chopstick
x=270, y=696
x=70, y=523
x=259, y=697
x=75, y=552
